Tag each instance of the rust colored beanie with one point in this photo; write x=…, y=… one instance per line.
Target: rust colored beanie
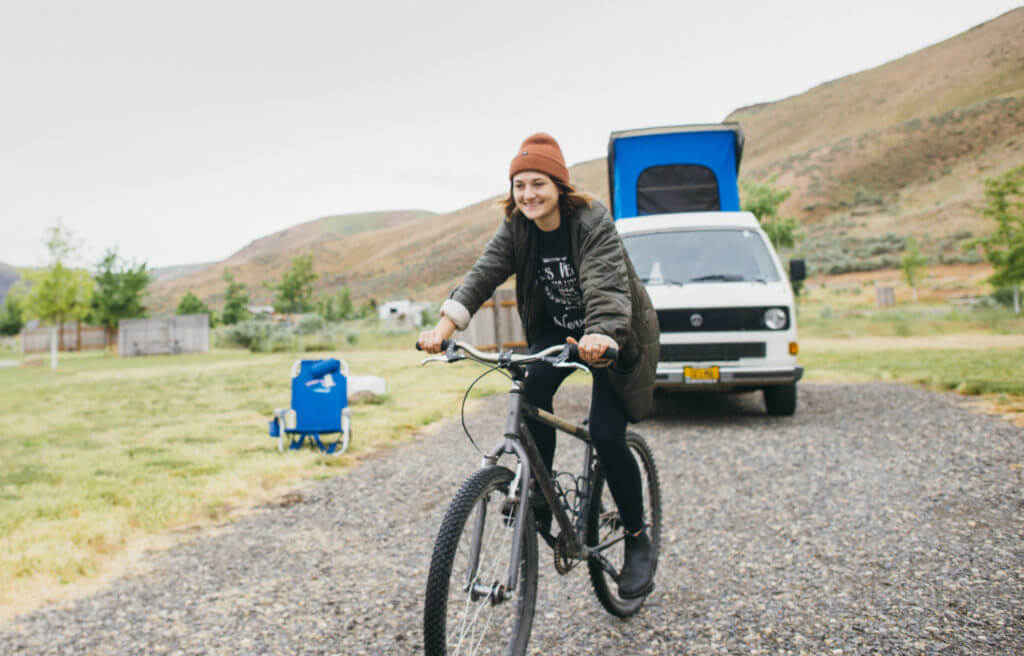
x=540, y=152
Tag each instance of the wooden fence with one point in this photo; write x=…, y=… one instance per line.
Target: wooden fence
x=75, y=337
x=187, y=333
x=496, y=325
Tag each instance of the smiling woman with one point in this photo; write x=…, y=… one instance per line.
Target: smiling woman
x=574, y=282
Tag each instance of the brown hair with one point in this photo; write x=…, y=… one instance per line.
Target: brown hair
x=570, y=201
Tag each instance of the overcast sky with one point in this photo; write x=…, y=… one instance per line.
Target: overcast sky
x=183, y=130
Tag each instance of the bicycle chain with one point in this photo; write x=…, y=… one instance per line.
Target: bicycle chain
x=563, y=562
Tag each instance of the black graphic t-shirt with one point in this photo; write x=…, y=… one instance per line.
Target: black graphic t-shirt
x=559, y=282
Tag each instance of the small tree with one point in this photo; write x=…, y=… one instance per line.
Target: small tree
x=764, y=200
x=12, y=316
x=338, y=307
x=294, y=294
x=236, y=300
x=190, y=304
x=58, y=293
x=1004, y=248
x=912, y=263
x=120, y=289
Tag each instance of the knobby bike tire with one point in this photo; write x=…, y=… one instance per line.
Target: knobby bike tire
x=603, y=516
x=453, y=622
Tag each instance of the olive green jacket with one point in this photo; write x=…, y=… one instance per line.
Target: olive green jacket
x=615, y=301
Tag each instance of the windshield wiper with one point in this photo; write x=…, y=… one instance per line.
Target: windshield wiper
x=724, y=277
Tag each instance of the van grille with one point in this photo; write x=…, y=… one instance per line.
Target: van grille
x=708, y=352
x=716, y=319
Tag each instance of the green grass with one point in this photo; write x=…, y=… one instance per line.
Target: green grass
x=974, y=371
x=107, y=450
x=825, y=321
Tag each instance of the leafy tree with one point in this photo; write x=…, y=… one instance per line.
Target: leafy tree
x=338, y=307
x=236, y=300
x=1004, y=248
x=764, y=200
x=12, y=315
x=59, y=293
x=294, y=294
x=120, y=288
x=190, y=304
x=912, y=263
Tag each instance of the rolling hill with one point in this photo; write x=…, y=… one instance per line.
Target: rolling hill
x=8, y=276
x=871, y=158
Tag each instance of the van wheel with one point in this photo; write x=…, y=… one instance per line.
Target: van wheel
x=780, y=400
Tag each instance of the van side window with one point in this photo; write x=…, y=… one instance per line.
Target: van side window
x=677, y=188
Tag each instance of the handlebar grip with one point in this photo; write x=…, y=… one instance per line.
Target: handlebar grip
x=611, y=354
x=444, y=345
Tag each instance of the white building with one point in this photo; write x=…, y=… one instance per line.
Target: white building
x=402, y=312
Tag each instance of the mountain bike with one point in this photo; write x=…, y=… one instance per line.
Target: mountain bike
x=482, y=587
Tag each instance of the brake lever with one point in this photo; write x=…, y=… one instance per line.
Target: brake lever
x=442, y=358
x=562, y=361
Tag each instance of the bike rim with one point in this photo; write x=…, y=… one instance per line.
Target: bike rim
x=482, y=615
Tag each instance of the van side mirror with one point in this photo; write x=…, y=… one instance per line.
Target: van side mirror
x=797, y=270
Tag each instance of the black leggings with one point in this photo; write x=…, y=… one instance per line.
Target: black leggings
x=607, y=428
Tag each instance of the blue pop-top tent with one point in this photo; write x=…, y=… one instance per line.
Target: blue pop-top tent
x=683, y=168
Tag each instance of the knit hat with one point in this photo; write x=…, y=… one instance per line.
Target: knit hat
x=540, y=152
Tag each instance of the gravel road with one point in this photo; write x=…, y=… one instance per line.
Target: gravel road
x=881, y=519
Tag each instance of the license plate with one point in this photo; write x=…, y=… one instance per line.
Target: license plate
x=700, y=374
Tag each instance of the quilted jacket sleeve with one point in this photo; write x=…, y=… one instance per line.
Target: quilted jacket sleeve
x=493, y=267
x=603, y=277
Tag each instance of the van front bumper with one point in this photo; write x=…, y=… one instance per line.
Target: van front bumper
x=729, y=376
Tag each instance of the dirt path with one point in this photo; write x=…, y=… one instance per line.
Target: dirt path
x=880, y=519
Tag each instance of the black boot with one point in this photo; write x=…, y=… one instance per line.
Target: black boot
x=637, y=576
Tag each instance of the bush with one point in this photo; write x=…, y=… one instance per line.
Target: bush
x=258, y=337
x=309, y=324
x=319, y=342
x=1003, y=296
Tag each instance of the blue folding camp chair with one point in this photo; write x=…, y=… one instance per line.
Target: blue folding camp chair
x=319, y=407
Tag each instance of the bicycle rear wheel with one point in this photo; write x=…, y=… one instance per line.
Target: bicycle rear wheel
x=467, y=609
x=604, y=526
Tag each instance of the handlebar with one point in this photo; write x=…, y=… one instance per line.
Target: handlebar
x=568, y=353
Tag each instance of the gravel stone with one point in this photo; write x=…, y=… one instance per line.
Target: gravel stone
x=880, y=519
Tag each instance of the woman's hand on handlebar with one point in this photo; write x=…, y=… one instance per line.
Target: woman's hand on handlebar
x=592, y=347
x=430, y=340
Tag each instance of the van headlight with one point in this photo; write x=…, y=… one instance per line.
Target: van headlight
x=775, y=318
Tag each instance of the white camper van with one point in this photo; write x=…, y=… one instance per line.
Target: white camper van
x=724, y=301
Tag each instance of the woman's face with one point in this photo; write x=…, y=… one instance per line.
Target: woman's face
x=536, y=196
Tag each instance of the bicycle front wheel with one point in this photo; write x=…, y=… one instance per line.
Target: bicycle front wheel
x=605, y=527
x=468, y=609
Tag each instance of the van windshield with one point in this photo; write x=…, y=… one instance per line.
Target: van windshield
x=695, y=256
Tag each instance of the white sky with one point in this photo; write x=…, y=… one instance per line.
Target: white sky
x=183, y=130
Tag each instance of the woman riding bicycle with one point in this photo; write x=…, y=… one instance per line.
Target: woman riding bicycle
x=575, y=284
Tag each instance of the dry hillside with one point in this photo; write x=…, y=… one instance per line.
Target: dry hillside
x=871, y=158
x=897, y=150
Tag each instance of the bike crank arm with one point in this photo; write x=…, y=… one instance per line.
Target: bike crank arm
x=605, y=564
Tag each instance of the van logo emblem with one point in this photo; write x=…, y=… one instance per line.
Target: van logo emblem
x=696, y=320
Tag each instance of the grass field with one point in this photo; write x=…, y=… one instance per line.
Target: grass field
x=107, y=450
